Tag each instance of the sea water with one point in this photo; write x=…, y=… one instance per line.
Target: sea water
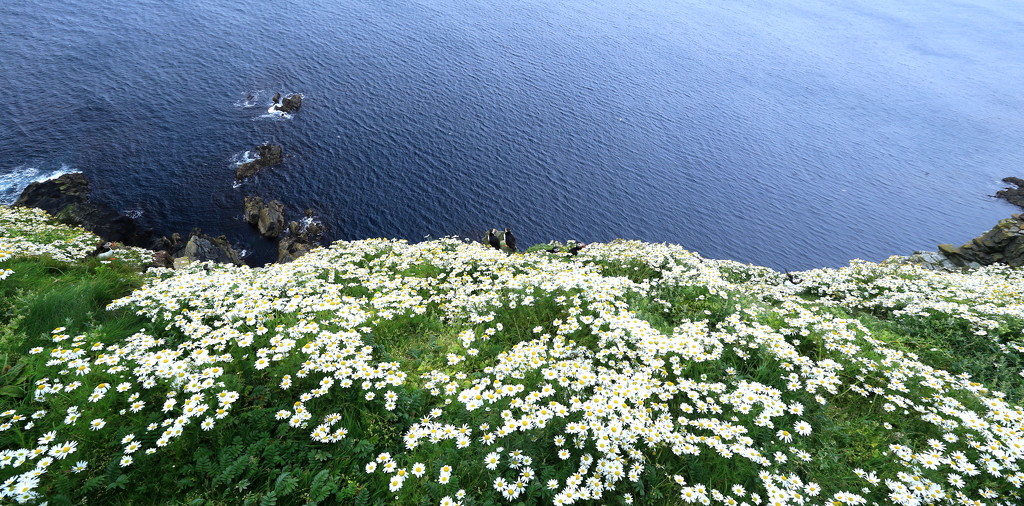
x=789, y=133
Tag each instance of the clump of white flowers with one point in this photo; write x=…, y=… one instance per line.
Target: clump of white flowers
x=31, y=232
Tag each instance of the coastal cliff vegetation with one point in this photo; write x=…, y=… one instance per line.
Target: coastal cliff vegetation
x=447, y=372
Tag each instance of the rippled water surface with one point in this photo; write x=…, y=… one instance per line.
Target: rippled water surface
x=790, y=133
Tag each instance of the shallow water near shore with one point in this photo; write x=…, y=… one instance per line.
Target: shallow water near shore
x=787, y=133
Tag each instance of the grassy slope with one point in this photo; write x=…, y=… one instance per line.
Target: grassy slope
x=640, y=371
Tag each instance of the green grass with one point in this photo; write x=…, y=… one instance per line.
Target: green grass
x=950, y=344
x=43, y=294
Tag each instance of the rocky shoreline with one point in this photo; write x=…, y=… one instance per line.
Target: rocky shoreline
x=67, y=199
x=1003, y=244
x=1013, y=194
x=267, y=155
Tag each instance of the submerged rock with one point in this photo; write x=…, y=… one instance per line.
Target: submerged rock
x=267, y=155
x=67, y=199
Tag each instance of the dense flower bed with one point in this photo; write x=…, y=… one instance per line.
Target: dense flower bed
x=628, y=368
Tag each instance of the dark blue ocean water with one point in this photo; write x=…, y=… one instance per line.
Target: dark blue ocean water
x=789, y=133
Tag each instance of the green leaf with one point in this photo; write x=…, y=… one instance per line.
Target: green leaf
x=285, y=483
x=321, y=487
x=363, y=498
x=120, y=483
x=92, y=483
x=11, y=391
x=15, y=370
x=270, y=499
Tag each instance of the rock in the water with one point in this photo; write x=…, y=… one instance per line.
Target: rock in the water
x=1012, y=195
x=54, y=195
x=1004, y=244
x=288, y=104
x=67, y=199
x=271, y=222
x=252, y=207
x=267, y=217
x=203, y=248
x=299, y=240
x=267, y=155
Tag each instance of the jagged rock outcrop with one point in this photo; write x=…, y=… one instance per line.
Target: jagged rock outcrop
x=271, y=222
x=267, y=217
x=301, y=238
x=67, y=199
x=53, y=195
x=1004, y=243
x=203, y=248
x=934, y=260
x=163, y=259
x=267, y=155
x=171, y=244
x=1012, y=195
x=251, y=209
x=288, y=104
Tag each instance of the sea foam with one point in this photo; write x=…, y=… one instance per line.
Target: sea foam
x=273, y=114
x=251, y=99
x=18, y=178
